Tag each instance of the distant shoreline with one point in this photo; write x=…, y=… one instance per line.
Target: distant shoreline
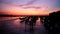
x=5, y=15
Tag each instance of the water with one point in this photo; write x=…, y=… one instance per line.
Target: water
x=14, y=26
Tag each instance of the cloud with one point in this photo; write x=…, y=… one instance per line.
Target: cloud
x=15, y=10
x=56, y=9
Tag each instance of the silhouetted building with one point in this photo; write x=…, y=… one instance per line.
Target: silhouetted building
x=52, y=23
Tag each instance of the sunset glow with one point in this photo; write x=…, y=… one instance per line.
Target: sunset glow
x=28, y=7
x=13, y=10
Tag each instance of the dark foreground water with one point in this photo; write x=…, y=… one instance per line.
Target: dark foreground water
x=15, y=27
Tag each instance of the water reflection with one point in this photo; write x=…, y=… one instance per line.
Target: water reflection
x=15, y=26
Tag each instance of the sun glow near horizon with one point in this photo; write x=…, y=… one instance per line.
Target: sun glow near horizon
x=28, y=7
x=14, y=10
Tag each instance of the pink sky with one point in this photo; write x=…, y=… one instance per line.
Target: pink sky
x=29, y=7
x=16, y=10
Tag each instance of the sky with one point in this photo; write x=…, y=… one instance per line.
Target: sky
x=28, y=7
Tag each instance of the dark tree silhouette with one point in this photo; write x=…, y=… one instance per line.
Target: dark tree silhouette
x=52, y=23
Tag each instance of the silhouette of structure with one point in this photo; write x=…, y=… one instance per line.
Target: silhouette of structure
x=52, y=23
x=31, y=21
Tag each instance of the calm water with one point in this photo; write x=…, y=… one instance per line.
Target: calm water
x=13, y=25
